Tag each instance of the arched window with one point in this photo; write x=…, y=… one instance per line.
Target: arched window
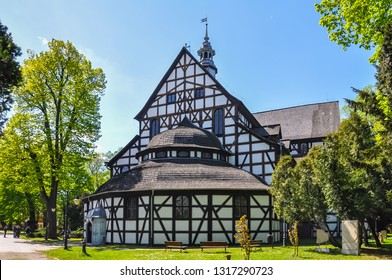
x=218, y=122
x=154, y=128
x=131, y=210
x=240, y=206
x=304, y=148
x=182, y=207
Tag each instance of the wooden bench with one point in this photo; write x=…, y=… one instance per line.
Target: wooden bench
x=256, y=243
x=213, y=244
x=175, y=245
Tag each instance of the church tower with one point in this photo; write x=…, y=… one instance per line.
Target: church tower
x=206, y=53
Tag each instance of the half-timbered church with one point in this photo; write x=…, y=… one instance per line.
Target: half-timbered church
x=201, y=160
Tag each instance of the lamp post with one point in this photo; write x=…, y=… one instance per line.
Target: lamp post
x=76, y=202
x=66, y=221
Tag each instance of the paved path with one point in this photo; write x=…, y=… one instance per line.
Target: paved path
x=22, y=249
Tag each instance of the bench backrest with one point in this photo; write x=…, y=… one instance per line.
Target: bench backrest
x=213, y=243
x=173, y=243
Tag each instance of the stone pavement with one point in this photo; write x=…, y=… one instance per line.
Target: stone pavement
x=21, y=249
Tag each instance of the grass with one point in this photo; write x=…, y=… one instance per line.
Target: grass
x=306, y=252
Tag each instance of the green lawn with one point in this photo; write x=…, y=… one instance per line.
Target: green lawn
x=306, y=252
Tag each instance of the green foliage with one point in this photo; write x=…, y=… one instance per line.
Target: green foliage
x=56, y=123
x=9, y=71
x=355, y=22
x=243, y=236
x=283, y=191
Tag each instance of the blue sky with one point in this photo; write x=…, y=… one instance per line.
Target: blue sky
x=269, y=54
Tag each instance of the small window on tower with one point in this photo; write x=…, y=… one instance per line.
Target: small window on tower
x=171, y=98
x=199, y=92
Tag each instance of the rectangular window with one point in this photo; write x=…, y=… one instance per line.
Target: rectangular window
x=182, y=207
x=131, y=210
x=199, y=92
x=171, y=98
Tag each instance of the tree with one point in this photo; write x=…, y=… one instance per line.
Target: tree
x=9, y=71
x=60, y=93
x=17, y=194
x=352, y=173
x=297, y=192
x=98, y=172
x=355, y=21
x=243, y=236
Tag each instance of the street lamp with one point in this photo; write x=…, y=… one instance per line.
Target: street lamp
x=76, y=202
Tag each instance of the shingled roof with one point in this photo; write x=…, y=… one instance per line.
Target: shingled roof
x=183, y=174
x=307, y=121
x=186, y=134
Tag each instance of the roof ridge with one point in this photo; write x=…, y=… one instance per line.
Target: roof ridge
x=297, y=106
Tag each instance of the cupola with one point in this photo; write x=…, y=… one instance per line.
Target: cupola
x=206, y=53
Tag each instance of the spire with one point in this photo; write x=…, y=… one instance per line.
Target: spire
x=206, y=53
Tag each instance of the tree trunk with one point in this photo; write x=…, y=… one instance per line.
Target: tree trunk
x=52, y=218
x=331, y=238
x=365, y=237
x=32, y=222
x=374, y=233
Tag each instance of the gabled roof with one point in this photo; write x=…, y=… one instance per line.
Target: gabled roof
x=184, y=51
x=306, y=121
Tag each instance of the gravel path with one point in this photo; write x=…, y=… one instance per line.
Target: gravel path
x=22, y=249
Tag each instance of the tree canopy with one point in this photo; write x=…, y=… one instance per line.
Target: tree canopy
x=355, y=22
x=9, y=71
x=60, y=97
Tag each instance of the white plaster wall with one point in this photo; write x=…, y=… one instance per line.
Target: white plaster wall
x=196, y=224
x=182, y=225
x=130, y=225
x=219, y=199
x=130, y=238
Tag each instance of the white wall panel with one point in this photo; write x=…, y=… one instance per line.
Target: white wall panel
x=257, y=169
x=219, y=237
x=220, y=100
x=201, y=237
x=152, y=112
x=196, y=224
x=224, y=212
x=159, y=238
x=182, y=225
x=203, y=199
x=197, y=213
x=116, y=238
x=160, y=199
x=165, y=212
x=219, y=199
x=260, y=147
x=130, y=225
x=183, y=237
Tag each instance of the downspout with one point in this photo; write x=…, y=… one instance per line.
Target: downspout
x=152, y=218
